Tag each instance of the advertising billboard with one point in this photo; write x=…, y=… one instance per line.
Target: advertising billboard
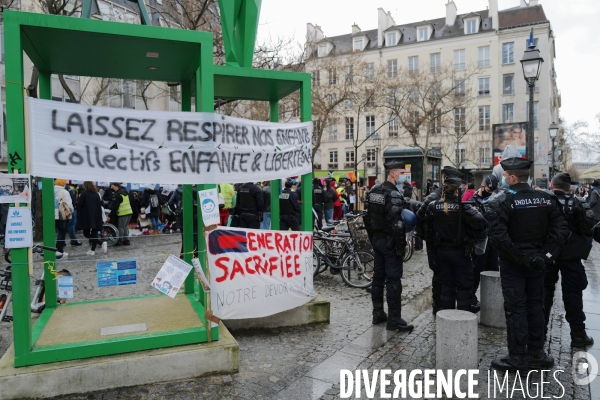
x=510, y=134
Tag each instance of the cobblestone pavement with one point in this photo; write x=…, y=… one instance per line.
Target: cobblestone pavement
x=304, y=362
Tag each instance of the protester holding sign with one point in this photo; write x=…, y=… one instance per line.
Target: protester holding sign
x=63, y=210
x=89, y=208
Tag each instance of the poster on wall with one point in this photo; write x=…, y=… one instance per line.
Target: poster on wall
x=15, y=188
x=116, y=273
x=511, y=134
x=257, y=273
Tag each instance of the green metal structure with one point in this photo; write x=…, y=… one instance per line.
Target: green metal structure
x=118, y=50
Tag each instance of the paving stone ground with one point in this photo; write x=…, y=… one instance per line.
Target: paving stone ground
x=304, y=362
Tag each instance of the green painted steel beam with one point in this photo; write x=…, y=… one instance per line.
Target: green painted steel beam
x=239, y=23
x=306, y=116
x=275, y=183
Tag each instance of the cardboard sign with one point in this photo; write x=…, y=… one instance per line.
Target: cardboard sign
x=257, y=273
x=19, y=230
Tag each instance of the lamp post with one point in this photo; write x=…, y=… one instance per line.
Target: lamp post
x=532, y=63
x=553, y=131
x=377, y=143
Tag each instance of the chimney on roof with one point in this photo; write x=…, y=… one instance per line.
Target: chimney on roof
x=493, y=14
x=523, y=4
x=451, y=12
x=314, y=34
x=384, y=21
x=355, y=29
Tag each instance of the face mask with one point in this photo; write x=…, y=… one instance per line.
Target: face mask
x=401, y=179
x=503, y=183
x=485, y=194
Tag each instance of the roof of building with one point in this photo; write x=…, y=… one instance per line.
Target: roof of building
x=521, y=16
x=513, y=17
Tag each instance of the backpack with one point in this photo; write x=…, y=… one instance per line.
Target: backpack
x=153, y=201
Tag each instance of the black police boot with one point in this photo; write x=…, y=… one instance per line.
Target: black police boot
x=579, y=337
x=515, y=362
x=126, y=242
x=394, y=300
x=475, y=307
x=540, y=360
x=379, y=316
x=396, y=323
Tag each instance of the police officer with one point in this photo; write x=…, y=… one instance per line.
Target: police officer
x=318, y=201
x=449, y=224
x=383, y=223
x=487, y=261
x=249, y=205
x=289, y=208
x=581, y=221
x=436, y=282
x=528, y=229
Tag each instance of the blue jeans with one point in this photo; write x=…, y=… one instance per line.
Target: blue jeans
x=266, y=222
x=155, y=223
x=329, y=216
x=71, y=227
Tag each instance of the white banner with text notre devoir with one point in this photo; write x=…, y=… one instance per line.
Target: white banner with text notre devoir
x=106, y=144
x=257, y=273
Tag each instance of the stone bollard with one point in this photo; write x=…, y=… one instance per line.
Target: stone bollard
x=492, y=301
x=455, y=340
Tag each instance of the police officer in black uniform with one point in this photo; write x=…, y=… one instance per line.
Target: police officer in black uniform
x=450, y=226
x=487, y=261
x=528, y=229
x=384, y=225
x=249, y=206
x=436, y=282
x=289, y=208
x=581, y=221
x=318, y=201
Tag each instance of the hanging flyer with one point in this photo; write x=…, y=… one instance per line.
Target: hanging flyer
x=116, y=273
x=15, y=188
x=209, y=202
x=19, y=230
x=65, y=287
x=171, y=276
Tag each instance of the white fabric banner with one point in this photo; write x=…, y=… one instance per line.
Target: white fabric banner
x=257, y=273
x=106, y=144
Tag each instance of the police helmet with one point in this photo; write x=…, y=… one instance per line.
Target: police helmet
x=409, y=219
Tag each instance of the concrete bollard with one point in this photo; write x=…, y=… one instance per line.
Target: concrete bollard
x=456, y=340
x=492, y=301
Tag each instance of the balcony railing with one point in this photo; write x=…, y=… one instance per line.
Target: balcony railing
x=484, y=63
x=484, y=92
x=459, y=66
x=349, y=165
x=332, y=166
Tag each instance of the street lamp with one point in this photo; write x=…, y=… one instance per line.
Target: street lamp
x=532, y=63
x=553, y=131
x=377, y=143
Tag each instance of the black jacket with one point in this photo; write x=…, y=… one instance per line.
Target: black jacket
x=580, y=219
x=154, y=211
x=89, y=211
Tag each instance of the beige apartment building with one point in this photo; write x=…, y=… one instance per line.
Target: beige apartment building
x=488, y=43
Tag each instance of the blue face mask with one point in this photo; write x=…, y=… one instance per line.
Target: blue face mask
x=401, y=179
x=504, y=184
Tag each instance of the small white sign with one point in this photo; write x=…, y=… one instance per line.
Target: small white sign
x=19, y=232
x=209, y=201
x=171, y=276
x=200, y=271
x=65, y=287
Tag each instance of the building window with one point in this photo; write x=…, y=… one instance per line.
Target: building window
x=423, y=34
x=316, y=127
x=507, y=113
x=350, y=128
x=392, y=96
x=508, y=84
x=435, y=125
x=332, y=97
x=459, y=87
x=413, y=65
x=484, y=86
x=484, y=56
x=371, y=154
x=485, y=154
x=358, y=44
x=333, y=156
x=2, y=42
x=348, y=104
x=316, y=78
x=390, y=39
x=460, y=153
x=413, y=94
x=332, y=76
x=484, y=118
x=459, y=59
x=393, y=126
x=129, y=94
x=332, y=130
x=348, y=74
x=414, y=119
x=392, y=70
x=459, y=120
x=370, y=125
x=508, y=53
x=349, y=156
x=535, y=114
x=471, y=26
x=370, y=71
x=322, y=50
x=122, y=93
x=435, y=62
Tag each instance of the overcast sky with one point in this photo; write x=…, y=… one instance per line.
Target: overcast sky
x=573, y=23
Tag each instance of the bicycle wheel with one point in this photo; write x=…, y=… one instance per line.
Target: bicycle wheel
x=109, y=234
x=357, y=269
x=316, y=263
x=408, y=251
